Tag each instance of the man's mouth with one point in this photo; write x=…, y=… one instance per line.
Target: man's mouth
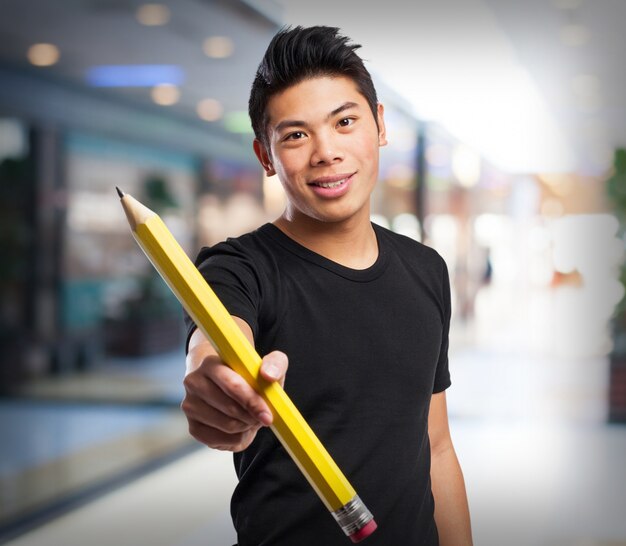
x=330, y=182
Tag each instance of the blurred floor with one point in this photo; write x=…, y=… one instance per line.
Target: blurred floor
x=71, y=438
x=527, y=417
x=183, y=504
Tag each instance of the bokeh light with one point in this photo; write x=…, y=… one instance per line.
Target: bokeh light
x=43, y=54
x=153, y=15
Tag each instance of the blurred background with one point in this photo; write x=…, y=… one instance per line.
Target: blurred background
x=507, y=128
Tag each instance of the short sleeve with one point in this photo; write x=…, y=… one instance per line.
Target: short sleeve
x=232, y=276
x=442, y=372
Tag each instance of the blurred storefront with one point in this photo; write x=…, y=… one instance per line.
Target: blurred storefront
x=110, y=295
x=18, y=240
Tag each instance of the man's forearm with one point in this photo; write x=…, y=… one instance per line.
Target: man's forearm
x=451, y=508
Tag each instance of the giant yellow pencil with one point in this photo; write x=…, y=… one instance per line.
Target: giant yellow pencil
x=212, y=318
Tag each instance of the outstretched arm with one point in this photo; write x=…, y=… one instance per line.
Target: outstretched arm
x=451, y=508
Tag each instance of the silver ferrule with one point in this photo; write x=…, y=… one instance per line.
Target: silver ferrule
x=352, y=516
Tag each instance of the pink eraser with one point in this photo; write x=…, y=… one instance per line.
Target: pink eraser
x=364, y=531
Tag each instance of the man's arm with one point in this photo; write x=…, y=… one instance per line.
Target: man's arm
x=451, y=508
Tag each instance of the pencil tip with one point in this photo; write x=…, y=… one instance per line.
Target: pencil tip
x=119, y=192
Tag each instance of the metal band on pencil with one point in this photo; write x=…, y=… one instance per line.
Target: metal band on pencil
x=353, y=516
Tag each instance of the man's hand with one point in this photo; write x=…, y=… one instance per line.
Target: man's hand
x=223, y=411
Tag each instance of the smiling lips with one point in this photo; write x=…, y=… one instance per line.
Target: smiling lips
x=331, y=182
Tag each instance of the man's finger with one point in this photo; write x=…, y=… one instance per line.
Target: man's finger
x=274, y=366
x=217, y=439
x=196, y=409
x=206, y=391
x=235, y=387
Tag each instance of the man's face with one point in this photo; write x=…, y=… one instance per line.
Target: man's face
x=324, y=145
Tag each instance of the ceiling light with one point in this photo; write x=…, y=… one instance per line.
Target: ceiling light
x=153, y=15
x=209, y=110
x=43, y=54
x=218, y=47
x=137, y=75
x=165, y=94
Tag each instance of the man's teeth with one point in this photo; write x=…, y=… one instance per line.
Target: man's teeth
x=331, y=184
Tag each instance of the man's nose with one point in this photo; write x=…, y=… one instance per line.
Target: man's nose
x=326, y=150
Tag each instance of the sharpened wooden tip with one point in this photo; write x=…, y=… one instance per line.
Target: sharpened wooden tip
x=119, y=192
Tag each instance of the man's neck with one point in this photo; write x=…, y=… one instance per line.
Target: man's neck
x=351, y=243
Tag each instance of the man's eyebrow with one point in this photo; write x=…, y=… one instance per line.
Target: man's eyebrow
x=343, y=107
x=289, y=123
x=285, y=124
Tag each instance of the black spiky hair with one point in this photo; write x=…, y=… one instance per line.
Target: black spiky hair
x=299, y=53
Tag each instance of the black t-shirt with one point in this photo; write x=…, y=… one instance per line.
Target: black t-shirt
x=367, y=348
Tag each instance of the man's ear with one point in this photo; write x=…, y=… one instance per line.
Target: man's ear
x=382, y=131
x=263, y=157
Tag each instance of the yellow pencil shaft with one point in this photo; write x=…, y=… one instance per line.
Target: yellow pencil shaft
x=234, y=349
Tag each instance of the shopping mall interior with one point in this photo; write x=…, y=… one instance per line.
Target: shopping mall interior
x=506, y=124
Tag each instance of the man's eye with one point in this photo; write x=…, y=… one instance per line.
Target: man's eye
x=295, y=136
x=345, y=122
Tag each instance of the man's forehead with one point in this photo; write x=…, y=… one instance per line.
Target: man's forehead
x=314, y=98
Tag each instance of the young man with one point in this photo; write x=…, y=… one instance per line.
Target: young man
x=362, y=313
